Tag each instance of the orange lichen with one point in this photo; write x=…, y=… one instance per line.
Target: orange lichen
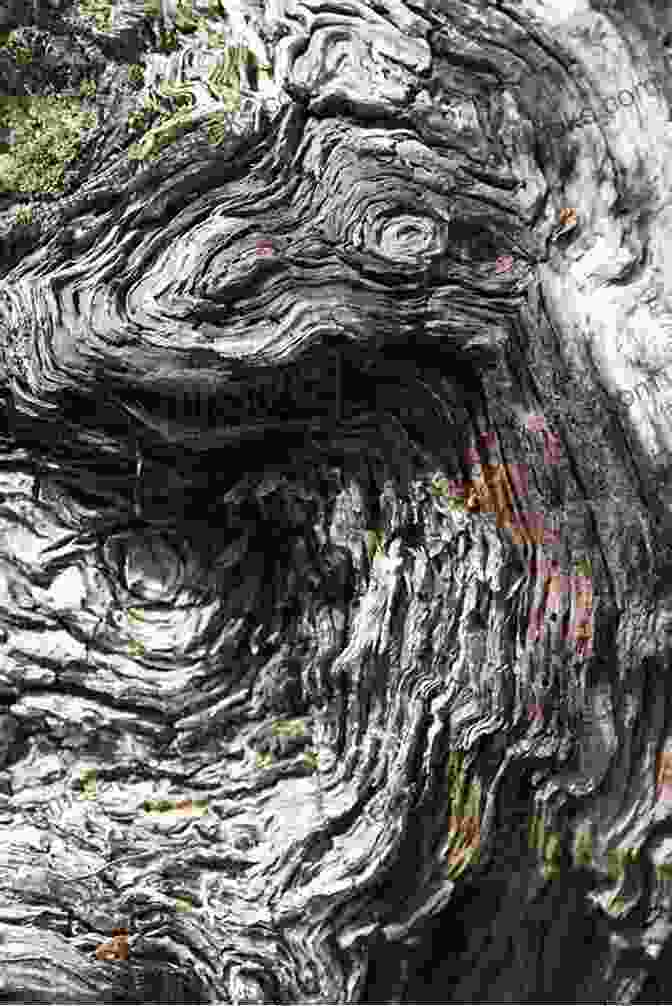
x=116, y=949
x=664, y=779
x=567, y=217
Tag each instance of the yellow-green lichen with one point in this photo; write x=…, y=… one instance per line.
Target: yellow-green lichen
x=48, y=136
x=99, y=10
x=219, y=128
x=224, y=78
x=551, y=864
x=616, y=905
x=136, y=74
x=664, y=871
x=263, y=760
x=87, y=779
x=439, y=487
x=375, y=544
x=136, y=648
x=186, y=806
x=311, y=758
x=135, y=615
x=88, y=88
x=158, y=806
x=289, y=728
x=165, y=132
x=20, y=54
x=535, y=832
x=583, y=849
x=584, y=567
x=137, y=119
x=456, y=779
x=618, y=859
x=185, y=19
x=464, y=804
x=183, y=904
x=216, y=39
x=547, y=844
x=168, y=41
x=24, y=215
x=181, y=95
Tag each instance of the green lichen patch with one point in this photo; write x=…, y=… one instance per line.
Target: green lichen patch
x=618, y=859
x=138, y=118
x=224, y=78
x=552, y=852
x=158, y=806
x=21, y=54
x=264, y=760
x=617, y=905
x=219, y=128
x=48, y=134
x=583, y=849
x=289, y=728
x=168, y=40
x=165, y=132
x=464, y=807
x=179, y=95
x=664, y=871
x=88, y=88
x=439, y=487
x=136, y=648
x=311, y=759
x=87, y=781
x=185, y=19
x=24, y=215
x=99, y=10
x=136, y=74
x=183, y=904
x=456, y=779
x=375, y=543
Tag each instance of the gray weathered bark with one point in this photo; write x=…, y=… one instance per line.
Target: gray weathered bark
x=355, y=543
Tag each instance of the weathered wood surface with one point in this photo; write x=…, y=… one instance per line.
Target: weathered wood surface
x=334, y=528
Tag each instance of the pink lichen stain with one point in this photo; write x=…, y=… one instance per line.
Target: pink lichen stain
x=536, y=624
x=529, y=526
x=535, y=711
x=471, y=456
x=664, y=780
x=504, y=263
x=456, y=487
x=488, y=439
x=466, y=825
x=536, y=424
x=552, y=448
x=544, y=567
x=264, y=247
x=519, y=475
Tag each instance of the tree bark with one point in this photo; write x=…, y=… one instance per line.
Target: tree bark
x=335, y=528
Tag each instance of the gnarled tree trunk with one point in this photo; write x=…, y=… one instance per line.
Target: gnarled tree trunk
x=334, y=530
